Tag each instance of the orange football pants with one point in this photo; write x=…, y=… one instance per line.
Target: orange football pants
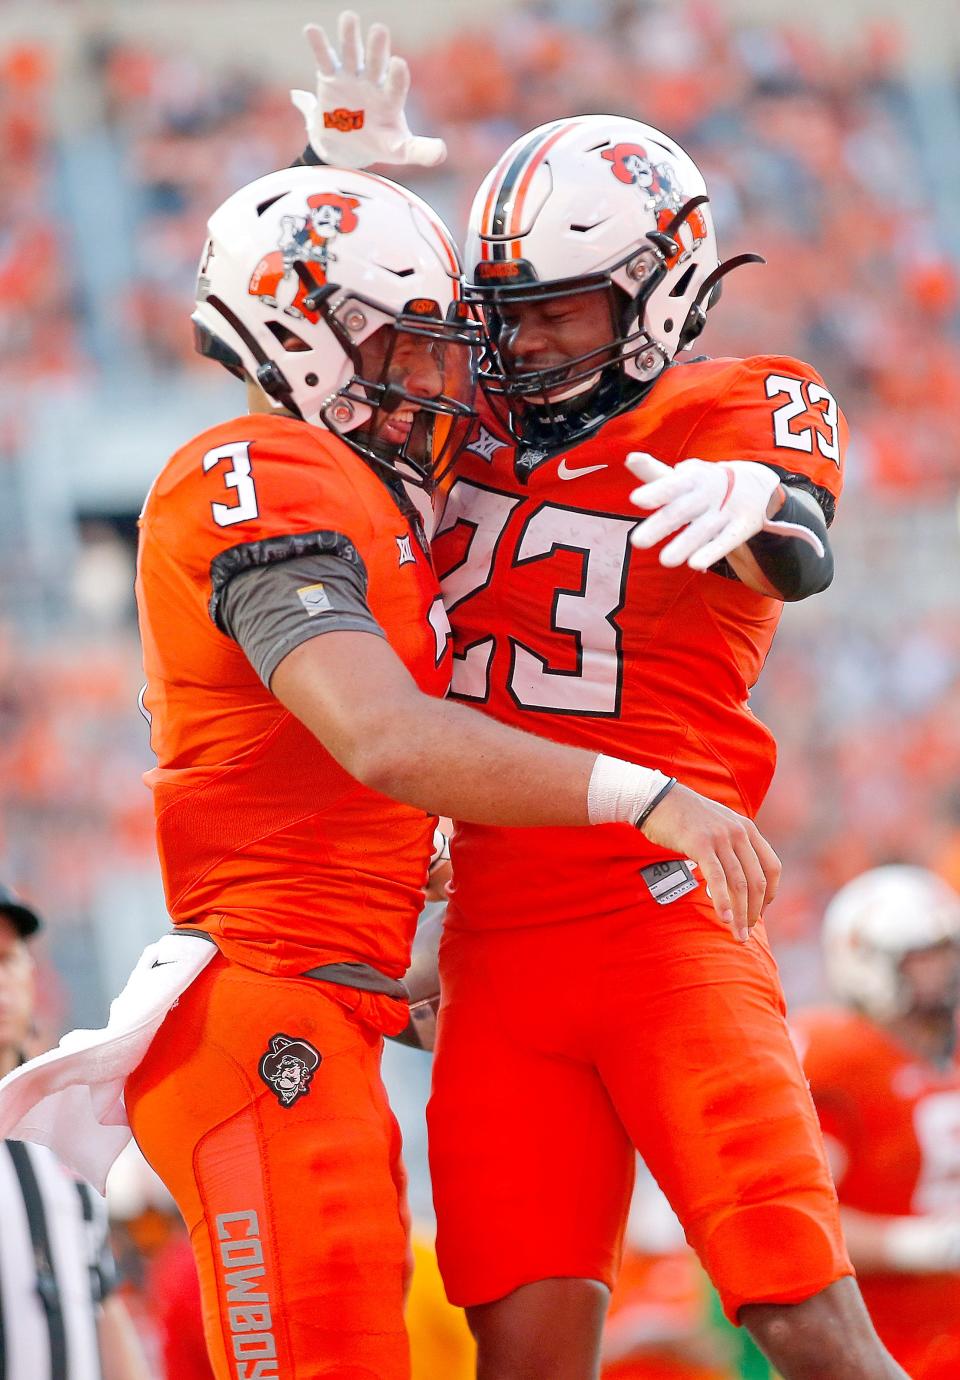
x=261, y=1107
x=563, y=1046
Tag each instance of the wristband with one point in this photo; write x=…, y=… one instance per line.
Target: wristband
x=641, y=820
x=623, y=793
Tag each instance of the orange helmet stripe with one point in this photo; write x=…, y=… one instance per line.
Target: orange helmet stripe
x=486, y=219
x=508, y=189
x=536, y=159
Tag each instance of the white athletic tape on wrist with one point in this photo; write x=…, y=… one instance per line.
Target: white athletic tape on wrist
x=619, y=791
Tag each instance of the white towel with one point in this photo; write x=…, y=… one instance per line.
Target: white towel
x=71, y=1099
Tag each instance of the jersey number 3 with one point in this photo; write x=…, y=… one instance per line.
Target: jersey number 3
x=238, y=477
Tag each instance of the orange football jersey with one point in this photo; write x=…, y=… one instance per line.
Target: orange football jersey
x=264, y=840
x=563, y=628
x=898, y=1123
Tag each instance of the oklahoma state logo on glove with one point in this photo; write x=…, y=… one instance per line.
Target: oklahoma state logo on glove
x=342, y=119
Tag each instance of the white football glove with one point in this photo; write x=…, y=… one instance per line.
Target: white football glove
x=714, y=508
x=357, y=116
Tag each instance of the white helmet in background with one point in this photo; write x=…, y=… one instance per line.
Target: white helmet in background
x=873, y=922
x=302, y=269
x=595, y=203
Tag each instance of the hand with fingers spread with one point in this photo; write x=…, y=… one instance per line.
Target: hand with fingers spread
x=740, y=869
x=357, y=115
x=713, y=507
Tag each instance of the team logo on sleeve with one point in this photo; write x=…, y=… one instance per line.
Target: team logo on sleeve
x=661, y=193
x=308, y=239
x=288, y=1067
x=405, y=551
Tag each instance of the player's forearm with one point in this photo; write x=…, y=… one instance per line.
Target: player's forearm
x=865, y=1234
x=450, y=760
x=902, y=1245
x=782, y=566
x=121, y=1351
x=354, y=694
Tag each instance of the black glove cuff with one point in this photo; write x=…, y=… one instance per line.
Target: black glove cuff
x=308, y=159
x=791, y=565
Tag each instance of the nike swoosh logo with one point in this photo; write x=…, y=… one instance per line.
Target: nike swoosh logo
x=565, y=472
x=164, y=963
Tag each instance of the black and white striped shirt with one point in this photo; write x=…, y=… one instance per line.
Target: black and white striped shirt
x=55, y=1268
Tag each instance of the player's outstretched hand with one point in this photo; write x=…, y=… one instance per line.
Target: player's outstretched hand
x=713, y=508
x=740, y=868
x=357, y=115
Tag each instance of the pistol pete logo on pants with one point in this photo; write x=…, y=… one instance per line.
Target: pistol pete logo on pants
x=288, y=1067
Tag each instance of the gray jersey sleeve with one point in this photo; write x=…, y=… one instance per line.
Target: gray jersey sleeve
x=271, y=609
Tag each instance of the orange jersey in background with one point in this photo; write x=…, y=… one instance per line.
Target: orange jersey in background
x=264, y=840
x=897, y=1121
x=563, y=628
x=664, y=1295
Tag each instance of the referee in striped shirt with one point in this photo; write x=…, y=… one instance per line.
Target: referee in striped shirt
x=59, y=1319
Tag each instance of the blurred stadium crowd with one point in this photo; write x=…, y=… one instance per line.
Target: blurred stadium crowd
x=816, y=156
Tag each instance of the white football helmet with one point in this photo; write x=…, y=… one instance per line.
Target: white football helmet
x=595, y=203
x=873, y=922
x=317, y=283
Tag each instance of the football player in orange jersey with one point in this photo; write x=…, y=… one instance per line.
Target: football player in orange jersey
x=885, y=1077
x=297, y=657
x=592, y=257
x=601, y=1007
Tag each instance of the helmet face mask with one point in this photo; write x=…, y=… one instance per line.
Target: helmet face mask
x=591, y=204
x=409, y=400
x=563, y=401
x=339, y=294
x=930, y=978
x=892, y=943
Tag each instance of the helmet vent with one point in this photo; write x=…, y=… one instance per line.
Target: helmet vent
x=288, y=339
x=681, y=286
x=265, y=205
